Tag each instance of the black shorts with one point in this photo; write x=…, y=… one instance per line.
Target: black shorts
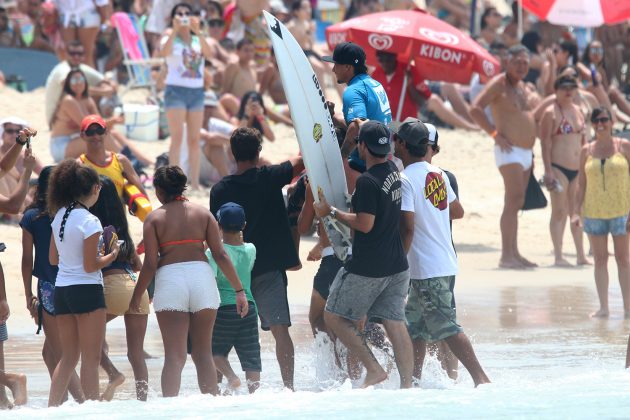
x=79, y=299
x=232, y=331
x=328, y=269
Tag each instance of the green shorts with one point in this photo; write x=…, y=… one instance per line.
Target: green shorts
x=430, y=309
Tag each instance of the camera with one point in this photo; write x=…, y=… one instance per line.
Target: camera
x=3, y=247
x=184, y=20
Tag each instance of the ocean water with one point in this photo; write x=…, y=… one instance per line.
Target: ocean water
x=546, y=359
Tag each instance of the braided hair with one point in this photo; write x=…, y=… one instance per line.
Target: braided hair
x=69, y=181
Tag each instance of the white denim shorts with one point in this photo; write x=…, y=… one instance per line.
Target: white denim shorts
x=185, y=287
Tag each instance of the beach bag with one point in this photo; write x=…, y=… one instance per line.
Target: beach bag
x=534, y=196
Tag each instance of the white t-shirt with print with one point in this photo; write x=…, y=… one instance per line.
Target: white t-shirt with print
x=185, y=64
x=427, y=192
x=81, y=224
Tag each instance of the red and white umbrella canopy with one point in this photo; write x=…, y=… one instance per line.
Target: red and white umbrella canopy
x=587, y=13
x=440, y=51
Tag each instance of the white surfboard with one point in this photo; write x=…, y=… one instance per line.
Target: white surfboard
x=314, y=129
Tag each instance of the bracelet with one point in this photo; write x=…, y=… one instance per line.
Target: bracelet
x=21, y=143
x=494, y=134
x=239, y=291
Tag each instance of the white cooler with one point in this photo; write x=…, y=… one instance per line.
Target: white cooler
x=142, y=122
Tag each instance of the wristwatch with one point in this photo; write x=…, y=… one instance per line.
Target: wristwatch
x=333, y=212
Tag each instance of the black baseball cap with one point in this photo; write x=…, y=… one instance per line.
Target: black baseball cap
x=231, y=216
x=375, y=135
x=347, y=53
x=414, y=131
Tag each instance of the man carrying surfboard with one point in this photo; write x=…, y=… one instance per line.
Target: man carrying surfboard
x=375, y=281
x=363, y=99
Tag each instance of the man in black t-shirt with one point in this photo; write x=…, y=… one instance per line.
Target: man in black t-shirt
x=259, y=191
x=375, y=281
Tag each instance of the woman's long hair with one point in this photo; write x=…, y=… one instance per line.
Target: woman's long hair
x=244, y=100
x=110, y=211
x=41, y=193
x=67, y=86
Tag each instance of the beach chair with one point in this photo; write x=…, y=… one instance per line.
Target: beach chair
x=135, y=52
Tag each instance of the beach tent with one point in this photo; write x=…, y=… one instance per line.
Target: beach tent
x=31, y=65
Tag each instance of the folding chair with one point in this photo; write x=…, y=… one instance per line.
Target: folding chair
x=135, y=52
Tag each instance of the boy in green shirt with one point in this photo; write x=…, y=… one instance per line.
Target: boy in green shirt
x=230, y=330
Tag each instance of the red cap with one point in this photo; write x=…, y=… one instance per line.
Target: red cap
x=92, y=119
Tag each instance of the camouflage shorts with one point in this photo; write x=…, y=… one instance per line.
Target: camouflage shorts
x=430, y=309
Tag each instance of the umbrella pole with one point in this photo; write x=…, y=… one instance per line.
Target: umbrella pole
x=520, y=20
x=401, y=101
x=473, y=18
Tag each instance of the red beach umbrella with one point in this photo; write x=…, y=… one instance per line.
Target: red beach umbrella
x=440, y=51
x=587, y=13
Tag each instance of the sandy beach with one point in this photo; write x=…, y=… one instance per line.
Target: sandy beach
x=530, y=328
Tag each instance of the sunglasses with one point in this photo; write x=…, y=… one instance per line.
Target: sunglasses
x=216, y=23
x=76, y=53
x=97, y=130
x=182, y=14
x=602, y=120
x=77, y=80
x=597, y=50
x=12, y=130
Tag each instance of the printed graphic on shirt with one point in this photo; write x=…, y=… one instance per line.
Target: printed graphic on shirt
x=392, y=187
x=435, y=190
x=191, y=62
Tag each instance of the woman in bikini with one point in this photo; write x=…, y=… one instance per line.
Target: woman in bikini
x=118, y=285
x=563, y=133
x=604, y=200
x=74, y=105
x=186, y=297
x=593, y=71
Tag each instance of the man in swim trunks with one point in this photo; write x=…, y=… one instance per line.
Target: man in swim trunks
x=375, y=280
x=364, y=98
x=259, y=191
x=514, y=134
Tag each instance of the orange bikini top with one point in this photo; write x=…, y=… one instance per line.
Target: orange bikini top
x=181, y=242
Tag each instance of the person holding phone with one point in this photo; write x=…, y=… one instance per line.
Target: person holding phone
x=119, y=282
x=185, y=48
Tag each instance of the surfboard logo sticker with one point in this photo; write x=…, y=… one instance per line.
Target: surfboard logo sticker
x=276, y=28
x=317, y=132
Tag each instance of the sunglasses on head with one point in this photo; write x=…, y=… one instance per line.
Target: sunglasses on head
x=95, y=130
x=601, y=120
x=12, y=130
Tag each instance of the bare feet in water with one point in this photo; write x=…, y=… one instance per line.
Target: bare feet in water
x=373, y=378
x=17, y=385
x=602, y=313
x=114, y=383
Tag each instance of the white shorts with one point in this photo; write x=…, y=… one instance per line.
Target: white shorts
x=523, y=157
x=185, y=287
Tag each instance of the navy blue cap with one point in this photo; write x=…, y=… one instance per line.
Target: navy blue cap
x=347, y=53
x=375, y=135
x=231, y=216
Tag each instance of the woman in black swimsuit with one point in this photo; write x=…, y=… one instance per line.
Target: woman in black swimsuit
x=563, y=133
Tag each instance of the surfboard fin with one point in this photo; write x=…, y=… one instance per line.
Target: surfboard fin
x=339, y=236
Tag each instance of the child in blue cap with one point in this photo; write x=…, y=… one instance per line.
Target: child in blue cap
x=230, y=330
